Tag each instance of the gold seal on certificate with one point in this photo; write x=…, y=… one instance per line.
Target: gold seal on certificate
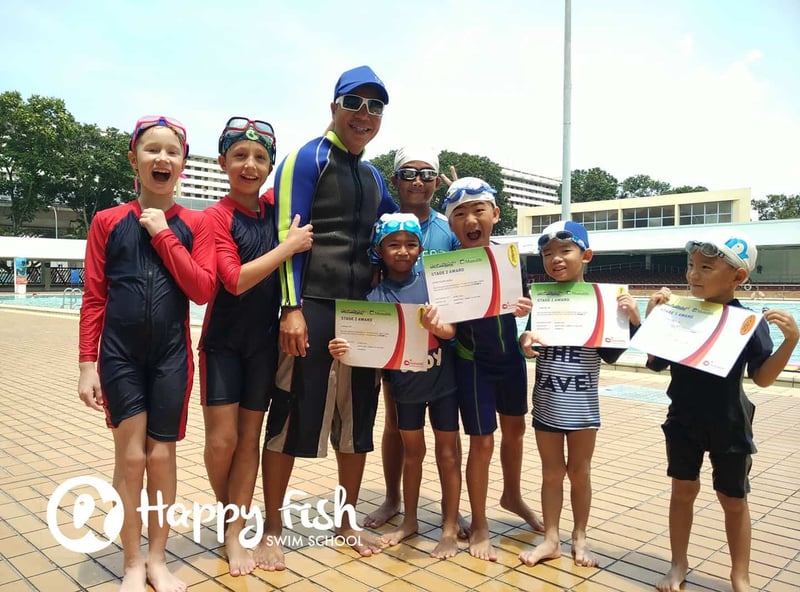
x=703, y=335
x=474, y=283
x=579, y=314
x=382, y=335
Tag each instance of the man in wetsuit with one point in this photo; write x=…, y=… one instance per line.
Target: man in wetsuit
x=329, y=185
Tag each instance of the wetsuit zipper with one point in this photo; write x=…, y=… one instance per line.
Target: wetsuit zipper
x=356, y=220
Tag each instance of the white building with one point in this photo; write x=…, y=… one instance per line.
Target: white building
x=203, y=182
x=527, y=189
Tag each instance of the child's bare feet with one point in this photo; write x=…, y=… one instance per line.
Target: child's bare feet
x=480, y=545
x=582, y=554
x=240, y=560
x=673, y=579
x=447, y=546
x=385, y=512
x=366, y=544
x=547, y=549
x=523, y=510
x=160, y=578
x=406, y=529
x=135, y=578
x=268, y=554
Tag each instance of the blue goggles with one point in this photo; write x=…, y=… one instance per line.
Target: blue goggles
x=465, y=190
x=388, y=224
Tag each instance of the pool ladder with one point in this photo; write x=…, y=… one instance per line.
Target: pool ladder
x=70, y=297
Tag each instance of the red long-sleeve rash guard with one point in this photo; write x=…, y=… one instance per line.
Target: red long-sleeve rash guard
x=131, y=278
x=246, y=321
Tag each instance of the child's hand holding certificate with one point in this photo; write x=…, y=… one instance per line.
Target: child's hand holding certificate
x=382, y=335
x=696, y=333
x=474, y=283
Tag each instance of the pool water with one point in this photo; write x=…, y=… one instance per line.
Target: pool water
x=70, y=302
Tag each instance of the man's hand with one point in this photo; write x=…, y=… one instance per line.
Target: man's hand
x=293, y=336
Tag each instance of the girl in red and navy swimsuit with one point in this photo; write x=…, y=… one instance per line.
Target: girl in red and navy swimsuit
x=144, y=261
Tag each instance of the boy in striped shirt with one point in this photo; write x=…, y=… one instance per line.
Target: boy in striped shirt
x=566, y=404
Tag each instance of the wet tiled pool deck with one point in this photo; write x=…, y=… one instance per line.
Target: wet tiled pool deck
x=48, y=436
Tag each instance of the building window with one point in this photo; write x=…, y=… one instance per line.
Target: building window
x=539, y=223
x=602, y=220
x=652, y=217
x=717, y=212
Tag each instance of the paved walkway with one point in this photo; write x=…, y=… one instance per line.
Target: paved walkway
x=48, y=436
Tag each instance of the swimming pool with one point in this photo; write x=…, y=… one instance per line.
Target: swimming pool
x=67, y=302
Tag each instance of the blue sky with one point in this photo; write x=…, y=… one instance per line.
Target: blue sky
x=687, y=91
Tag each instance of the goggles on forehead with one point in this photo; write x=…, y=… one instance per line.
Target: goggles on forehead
x=148, y=121
x=388, y=224
x=391, y=226
x=564, y=235
x=711, y=250
x=242, y=128
x=354, y=103
x=411, y=174
x=466, y=193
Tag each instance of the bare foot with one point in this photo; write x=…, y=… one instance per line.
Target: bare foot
x=406, y=529
x=672, y=581
x=480, y=546
x=268, y=554
x=447, y=546
x=366, y=544
x=135, y=578
x=240, y=560
x=385, y=512
x=160, y=578
x=582, y=554
x=547, y=549
x=464, y=528
x=523, y=510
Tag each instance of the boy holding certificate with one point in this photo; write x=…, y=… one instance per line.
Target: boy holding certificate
x=566, y=405
x=491, y=374
x=396, y=244
x=416, y=178
x=708, y=412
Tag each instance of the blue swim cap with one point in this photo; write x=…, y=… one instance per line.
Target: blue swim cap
x=388, y=224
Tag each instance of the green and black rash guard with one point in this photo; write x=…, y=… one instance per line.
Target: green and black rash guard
x=342, y=196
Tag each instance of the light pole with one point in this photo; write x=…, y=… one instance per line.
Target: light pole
x=55, y=215
x=566, y=174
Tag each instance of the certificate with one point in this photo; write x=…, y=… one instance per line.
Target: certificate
x=382, y=335
x=579, y=313
x=474, y=283
x=696, y=333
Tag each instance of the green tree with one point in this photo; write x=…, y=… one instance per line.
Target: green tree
x=98, y=173
x=778, y=207
x=32, y=149
x=593, y=184
x=642, y=186
x=466, y=165
x=685, y=189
